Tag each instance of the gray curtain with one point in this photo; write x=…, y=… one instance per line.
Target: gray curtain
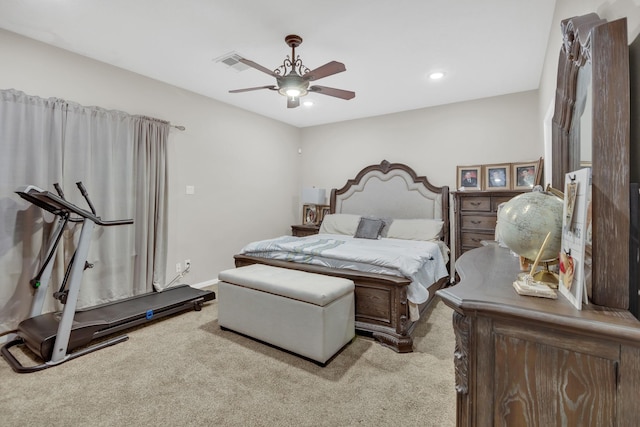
x=150, y=171
x=121, y=159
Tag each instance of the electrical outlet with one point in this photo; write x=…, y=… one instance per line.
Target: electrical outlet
x=187, y=264
x=178, y=267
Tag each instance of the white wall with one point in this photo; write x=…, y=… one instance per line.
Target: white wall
x=433, y=141
x=244, y=167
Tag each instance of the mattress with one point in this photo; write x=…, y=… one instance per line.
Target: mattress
x=423, y=262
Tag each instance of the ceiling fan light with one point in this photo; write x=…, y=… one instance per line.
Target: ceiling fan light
x=293, y=91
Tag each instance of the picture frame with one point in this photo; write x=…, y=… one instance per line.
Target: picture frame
x=469, y=177
x=524, y=176
x=573, y=252
x=323, y=210
x=497, y=177
x=309, y=214
x=539, y=172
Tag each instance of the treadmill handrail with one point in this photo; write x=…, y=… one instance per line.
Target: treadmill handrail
x=59, y=206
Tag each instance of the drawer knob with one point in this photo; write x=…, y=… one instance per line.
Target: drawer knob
x=475, y=222
x=475, y=203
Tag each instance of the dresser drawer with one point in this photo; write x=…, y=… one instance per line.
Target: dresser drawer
x=496, y=200
x=478, y=222
x=473, y=239
x=478, y=204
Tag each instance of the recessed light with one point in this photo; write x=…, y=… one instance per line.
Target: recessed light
x=436, y=75
x=307, y=103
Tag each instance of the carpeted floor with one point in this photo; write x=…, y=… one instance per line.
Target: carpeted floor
x=186, y=371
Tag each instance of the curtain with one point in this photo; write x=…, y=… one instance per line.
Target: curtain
x=151, y=205
x=31, y=153
x=120, y=159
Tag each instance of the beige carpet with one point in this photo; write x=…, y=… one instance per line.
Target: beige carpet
x=186, y=371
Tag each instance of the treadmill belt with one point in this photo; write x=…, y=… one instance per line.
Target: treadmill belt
x=39, y=332
x=122, y=311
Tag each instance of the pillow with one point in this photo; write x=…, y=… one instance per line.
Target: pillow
x=340, y=224
x=415, y=229
x=387, y=224
x=369, y=228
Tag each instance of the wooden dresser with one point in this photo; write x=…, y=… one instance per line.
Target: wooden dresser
x=527, y=361
x=475, y=216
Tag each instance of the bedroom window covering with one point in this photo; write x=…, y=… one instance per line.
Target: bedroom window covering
x=122, y=161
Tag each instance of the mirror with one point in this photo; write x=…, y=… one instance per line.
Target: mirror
x=574, y=82
x=591, y=121
x=584, y=111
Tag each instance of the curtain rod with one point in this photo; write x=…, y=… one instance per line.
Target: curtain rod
x=164, y=121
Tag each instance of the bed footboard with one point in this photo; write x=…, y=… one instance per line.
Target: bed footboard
x=382, y=310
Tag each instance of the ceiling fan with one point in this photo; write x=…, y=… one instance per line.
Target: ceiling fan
x=293, y=77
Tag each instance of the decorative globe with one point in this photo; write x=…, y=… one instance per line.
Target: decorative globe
x=525, y=220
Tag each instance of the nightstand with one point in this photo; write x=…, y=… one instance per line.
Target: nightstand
x=304, y=230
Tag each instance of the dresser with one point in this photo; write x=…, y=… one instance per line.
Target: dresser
x=527, y=361
x=475, y=216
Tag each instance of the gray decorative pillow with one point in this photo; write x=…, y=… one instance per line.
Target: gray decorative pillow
x=369, y=228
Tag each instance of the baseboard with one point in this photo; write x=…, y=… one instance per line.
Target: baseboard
x=205, y=284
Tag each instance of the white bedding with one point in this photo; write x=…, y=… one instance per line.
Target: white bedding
x=424, y=262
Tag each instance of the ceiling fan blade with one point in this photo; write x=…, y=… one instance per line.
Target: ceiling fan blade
x=271, y=87
x=293, y=102
x=328, y=69
x=258, y=67
x=338, y=93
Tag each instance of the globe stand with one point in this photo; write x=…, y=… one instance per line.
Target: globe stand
x=535, y=283
x=544, y=276
x=547, y=277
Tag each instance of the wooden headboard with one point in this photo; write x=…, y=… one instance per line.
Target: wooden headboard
x=393, y=190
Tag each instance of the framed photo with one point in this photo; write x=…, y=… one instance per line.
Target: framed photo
x=539, y=180
x=573, y=254
x=469, y=178
x=524, y=175
x=323, y=210
x=497, y=177
x=309, y=214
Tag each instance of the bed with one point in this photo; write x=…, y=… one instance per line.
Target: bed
x=390, y=298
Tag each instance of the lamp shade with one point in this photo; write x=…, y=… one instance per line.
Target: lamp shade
x=313, y=195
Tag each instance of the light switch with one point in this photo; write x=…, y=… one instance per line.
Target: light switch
x=191, y=189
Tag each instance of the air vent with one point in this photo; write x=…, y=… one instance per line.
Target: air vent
x=232, y=60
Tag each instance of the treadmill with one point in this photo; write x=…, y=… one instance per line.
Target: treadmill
x=61, y=336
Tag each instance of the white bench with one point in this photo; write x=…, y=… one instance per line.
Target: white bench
x=308, y=314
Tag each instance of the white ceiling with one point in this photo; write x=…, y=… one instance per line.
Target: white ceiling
x=485, y=47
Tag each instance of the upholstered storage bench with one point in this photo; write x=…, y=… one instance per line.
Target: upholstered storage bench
x=308, y=314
